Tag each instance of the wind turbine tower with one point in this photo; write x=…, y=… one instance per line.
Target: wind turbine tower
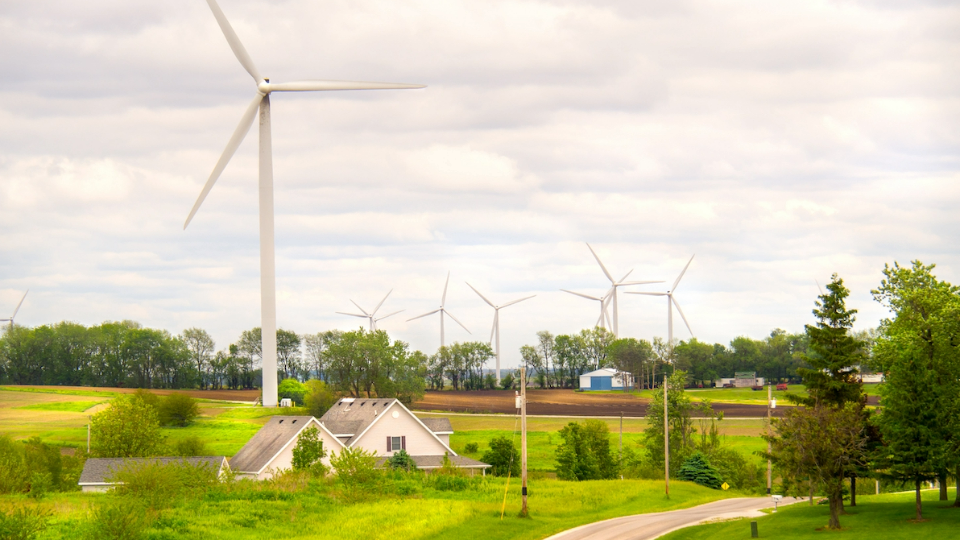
x=496, y=322
x=372, y=315
x=443, y=311
x=671, y=303
x=261, y=103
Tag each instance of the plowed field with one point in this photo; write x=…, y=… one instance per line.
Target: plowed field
x=226, y=395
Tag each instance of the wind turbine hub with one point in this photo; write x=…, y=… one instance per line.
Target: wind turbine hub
x=264, y=86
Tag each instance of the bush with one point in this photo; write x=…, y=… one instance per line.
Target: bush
x=584, y=453
x=178, y=409
x=471, y=448
x=698, y=470
x=148, y=397
x=319, y=397
x=292, y=389
x=402, y=460
x=356, y=466
x=22, y=523
x=309, y=452
x=159, y=485
x=503, y=456
x=16, y=475
x=489, y=381
x=189, y=447
x=128, y=428
x=119, y=519
x=507, y=382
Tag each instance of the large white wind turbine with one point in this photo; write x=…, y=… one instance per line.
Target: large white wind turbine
x=671, y=302
x=604, y=320
x=496, y=322
x=443, y=311
x=372, y=315
x=261, y=102
x=10, y=320
x=613, y=286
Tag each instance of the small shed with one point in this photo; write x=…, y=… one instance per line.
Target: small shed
x=604, y=379
x=98, y=473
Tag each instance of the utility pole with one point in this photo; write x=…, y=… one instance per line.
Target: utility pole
x=666, y=437
x=88, y=439
x=769, y=448
x=523, y=439
x=621, y=435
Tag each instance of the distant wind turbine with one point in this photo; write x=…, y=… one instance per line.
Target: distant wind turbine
x=443, y=311
x=496, y=321
x=10, y=320
x=261, y=101
x=614, y=285
x=604, y=320
x=372, y=315
x=671, y=302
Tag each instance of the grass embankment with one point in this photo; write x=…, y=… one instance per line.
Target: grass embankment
x=875, y=516
x=424, y=513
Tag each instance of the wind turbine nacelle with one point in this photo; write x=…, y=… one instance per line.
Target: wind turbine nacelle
x=264, y=87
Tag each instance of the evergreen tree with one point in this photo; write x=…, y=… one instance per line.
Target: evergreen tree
x=698, y=470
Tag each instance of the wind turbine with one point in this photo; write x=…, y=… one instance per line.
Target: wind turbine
x=496, y=321
x=604, y=320
x=10, y=320
x=613, y=287
x=443, y=311
x=261, y=101
x=373, y=314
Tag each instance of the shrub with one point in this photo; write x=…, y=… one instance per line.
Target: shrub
x=159, y=485
x=190, y=446
x=471, y=448
x=119, y=519
x=148, y=397
x=698, y=470
x=503, y=456
x=507, y=382
x=402, y=460
x=178, y=409
x=292, y=389
x=41, y=483
x=128, y=428
x=584, y=453
x=15, y=475
x=309, y=452
x=489, y=381
x=356, y=466
x=319, y=397
x=22, y=523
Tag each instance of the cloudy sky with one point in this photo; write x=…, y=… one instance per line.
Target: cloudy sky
x=778, y=141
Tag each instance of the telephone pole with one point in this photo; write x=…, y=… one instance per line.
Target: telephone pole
x=666, y=437
x=769, y=447
x=523, y=439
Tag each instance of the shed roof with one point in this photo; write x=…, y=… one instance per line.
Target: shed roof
x=100, y=470
x=268, y=442
x=602, y=372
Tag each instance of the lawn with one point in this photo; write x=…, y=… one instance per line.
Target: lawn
x=747, y=396
x=884, y=516
x=423, y=513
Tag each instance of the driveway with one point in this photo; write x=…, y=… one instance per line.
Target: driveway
x=647, y=526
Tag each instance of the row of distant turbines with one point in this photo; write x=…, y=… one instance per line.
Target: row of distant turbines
x=607, y=301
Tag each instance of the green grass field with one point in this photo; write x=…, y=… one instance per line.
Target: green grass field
x=746, y=396
x=885, y=516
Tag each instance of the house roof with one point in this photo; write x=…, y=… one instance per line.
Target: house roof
x=438, y=425
x=100, y=470
x=269, y=441
x=435, y=462
x=352, y=417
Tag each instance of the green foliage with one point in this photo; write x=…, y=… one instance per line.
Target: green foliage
x=507, y=382
x=319, y=397
x=148, y=397
x=471, y=448
x=362, y=362
x=23, y=523
x=697, y=469
x=309, y=452
x=585, y=452
x=159, y=485
x=462, y=364
x=356, y=467
x=401, y=460
x=503, y=456
x=489, y=381
x=119, y=519
x=633, y=356
x=128, y=428
x=292, y=389
x=680, y=415
x=178, y=409
x=36, y=468
x=190, y=446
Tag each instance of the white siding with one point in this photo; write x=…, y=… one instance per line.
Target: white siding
x=420, y=441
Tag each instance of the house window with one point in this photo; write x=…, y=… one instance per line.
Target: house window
x=395, y=444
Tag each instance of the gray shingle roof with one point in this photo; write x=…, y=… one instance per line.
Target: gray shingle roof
x=434, y=462
x=357, y=414
x=438, y=425
x=100, y=470
x=263, y=446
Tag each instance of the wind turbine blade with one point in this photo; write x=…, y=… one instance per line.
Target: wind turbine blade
x=353, y=314
x=18, y=305
x=819, y=287
x=581, y=294
x=390, y=315
x=682, y=316
x=599, y=320
x=424, y=315
x=234, y=41
x=517, y=301
x=625, y=276
x=238, y=134
x=308, y=86
x=381, y=303
x=602, y=267
x=360, y=308
x=443, y=299
x=675, y=283
x=458, y=322
x=647, y=293
x=638, y=282
x=480, y=295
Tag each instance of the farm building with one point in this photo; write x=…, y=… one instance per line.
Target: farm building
x=604, y=379
x=98, y=473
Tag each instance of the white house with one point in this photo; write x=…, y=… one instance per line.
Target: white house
x=98, y=473
x=605, y=379
x=271, y=449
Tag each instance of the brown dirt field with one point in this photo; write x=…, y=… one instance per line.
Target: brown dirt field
x=225, y=395
x=561, y=403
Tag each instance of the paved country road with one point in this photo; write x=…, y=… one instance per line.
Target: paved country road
x=647, y=526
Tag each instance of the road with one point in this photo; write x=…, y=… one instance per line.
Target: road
x=647, y=526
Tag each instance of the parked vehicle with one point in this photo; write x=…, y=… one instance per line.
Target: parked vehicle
x=782, y=386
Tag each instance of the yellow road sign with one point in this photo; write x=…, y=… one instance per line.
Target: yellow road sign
x=725, y=486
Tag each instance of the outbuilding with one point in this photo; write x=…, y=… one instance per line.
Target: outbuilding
x=605, y=379
x=98, y=473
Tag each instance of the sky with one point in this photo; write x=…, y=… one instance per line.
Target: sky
x=778, y=142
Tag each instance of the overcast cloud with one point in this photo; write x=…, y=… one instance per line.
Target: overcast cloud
x=778, y=141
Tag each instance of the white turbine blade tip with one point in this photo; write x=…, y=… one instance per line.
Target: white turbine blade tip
x=321, y=86
x=480, y=295
x=234, y=41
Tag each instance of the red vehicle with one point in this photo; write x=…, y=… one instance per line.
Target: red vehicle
x=782, y=386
